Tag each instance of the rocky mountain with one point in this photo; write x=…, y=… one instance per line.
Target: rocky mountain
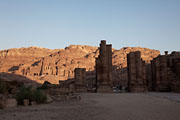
x=11, y=59
x=40, y=64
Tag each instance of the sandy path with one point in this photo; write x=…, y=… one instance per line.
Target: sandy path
x=125, y=106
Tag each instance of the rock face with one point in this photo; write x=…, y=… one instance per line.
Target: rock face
x=12, y=59
x=42, y=64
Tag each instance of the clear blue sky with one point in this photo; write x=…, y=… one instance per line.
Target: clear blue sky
x=58, y=23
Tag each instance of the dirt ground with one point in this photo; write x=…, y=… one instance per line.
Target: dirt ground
x=92, y=106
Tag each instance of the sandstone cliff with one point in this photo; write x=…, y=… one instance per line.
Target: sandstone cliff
x=42, y=64
x=11, y=59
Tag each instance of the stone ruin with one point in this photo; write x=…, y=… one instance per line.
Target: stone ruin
x=104, y=68
x=166, y=72
x=161, y=75
x=136, y=72
x=91, y=81
x=70, y=86
x=66, y=87
x=80, y=80
x=42, y=65
x=7, y=102
x=85, y=81
x=43, y=68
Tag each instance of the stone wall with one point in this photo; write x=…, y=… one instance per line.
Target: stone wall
x=173, y=64
x=8, y=103
x=80, y=80
x=159, y=74
x=166, y=72
x=65, y=87
x=137, y=81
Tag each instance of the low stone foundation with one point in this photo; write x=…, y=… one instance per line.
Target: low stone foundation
x=8, y=103
x=138, y=88
x=104, y=89
x=80, y=89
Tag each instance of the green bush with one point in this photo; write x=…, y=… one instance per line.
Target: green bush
x=39, y=97
x=31, y=94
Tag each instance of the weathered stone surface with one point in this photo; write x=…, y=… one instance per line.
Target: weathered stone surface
x=41, y=64
x=166, y=72
x=80, y=80
x=33, y=103
x=162, y=74
x=8, y=103
x=49, y=99
x=137, y=81
x=65, y=87
x=104, y=68
x=25, y=102
x=91, y=81
x=12, y=59
x=159, y=74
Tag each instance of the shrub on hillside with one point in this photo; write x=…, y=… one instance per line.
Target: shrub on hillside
x=31, y=94
x=39, y=97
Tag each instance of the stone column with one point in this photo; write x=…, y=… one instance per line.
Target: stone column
x=137, y=81
x=159, y=74
x=104, y=68
x=80, y=80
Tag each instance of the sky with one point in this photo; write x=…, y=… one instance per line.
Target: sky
x=56, y=24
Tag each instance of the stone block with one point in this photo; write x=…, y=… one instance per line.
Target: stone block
x=6, y=103
x=25, y=102
x=33, y=103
